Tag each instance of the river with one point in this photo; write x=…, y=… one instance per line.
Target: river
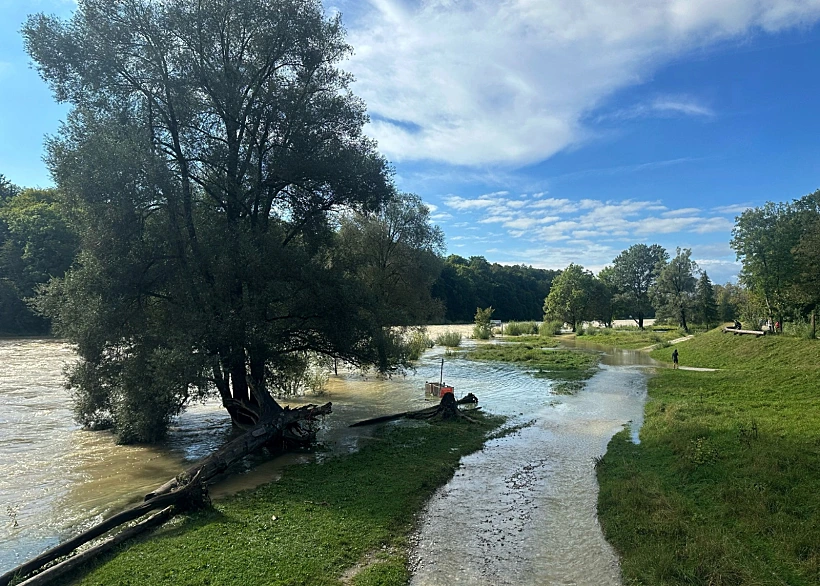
x=522, y=510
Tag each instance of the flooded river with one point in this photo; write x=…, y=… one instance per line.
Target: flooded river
x=522, y=511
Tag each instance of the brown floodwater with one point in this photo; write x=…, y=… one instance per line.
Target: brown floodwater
x=521, y=511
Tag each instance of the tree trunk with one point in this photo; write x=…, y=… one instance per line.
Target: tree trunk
x=446, y=409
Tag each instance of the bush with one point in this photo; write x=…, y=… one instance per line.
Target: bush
x=521, y=328
x=417, y=343
x=551, y=327
x=449, y=339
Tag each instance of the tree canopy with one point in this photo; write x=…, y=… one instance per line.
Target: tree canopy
x=570, y=298
x=212, y=149
x=674, y=292
x=634, y=272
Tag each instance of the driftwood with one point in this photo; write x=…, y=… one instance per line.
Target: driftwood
x=280, y=429
x=446, y=409
x=60, y=569
x=190, y=492
x=286, y=427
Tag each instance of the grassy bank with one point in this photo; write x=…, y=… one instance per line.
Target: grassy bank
x=628, y=338
x=314, y=525
x=723, y=488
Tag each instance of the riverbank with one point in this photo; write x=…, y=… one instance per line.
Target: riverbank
x=345, y=518
x=722, y=488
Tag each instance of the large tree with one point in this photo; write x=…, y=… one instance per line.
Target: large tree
x=706, y=309
x=211, y=147
x=395, y=254
x=673, y=295
x=570, y=297
x=635, y=271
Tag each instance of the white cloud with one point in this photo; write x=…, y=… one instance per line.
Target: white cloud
x=732, y=209
x=509, y=83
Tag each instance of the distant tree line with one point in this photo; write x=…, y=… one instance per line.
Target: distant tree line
x=37, y=242
x=515, y=292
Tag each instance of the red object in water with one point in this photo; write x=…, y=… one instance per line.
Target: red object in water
x=437, y=389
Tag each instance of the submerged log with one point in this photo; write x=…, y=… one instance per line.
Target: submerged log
x=287, y=426
x=446, y=409
x=67, y=565
x=188, y=490
x=192, y=492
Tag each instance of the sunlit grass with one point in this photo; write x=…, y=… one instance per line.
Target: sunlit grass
x=722, y=488
x=539, y=357
x=312, y=525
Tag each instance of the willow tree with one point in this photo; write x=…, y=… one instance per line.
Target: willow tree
x=210, y=149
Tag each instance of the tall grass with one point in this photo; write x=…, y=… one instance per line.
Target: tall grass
x=449, y=339
x=551, y=327
x=521, y=328
x=722, y=488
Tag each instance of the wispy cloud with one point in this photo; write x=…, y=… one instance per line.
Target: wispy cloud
x=510, y=83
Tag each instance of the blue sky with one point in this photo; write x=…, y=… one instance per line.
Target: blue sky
x=547, y=132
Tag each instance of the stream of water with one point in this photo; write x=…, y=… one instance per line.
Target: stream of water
x=521, y=511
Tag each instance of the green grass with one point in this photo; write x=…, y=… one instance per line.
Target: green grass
x=536, y=355
x=449, y=339
x=315, y=523
x=723, y=488
x=628, y=338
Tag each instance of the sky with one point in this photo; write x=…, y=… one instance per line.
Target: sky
x=549, y=132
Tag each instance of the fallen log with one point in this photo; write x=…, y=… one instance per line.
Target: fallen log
x=280, y=428
x=190, y=493
x=446, y=409
x=64, y=567
x=186, y=490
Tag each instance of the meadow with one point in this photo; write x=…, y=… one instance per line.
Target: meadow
x=722, y=488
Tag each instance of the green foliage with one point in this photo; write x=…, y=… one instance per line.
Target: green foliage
x=37, y=242
x=243, y=217
x=418, y=342
x=722, y=488
x=551, y=327
x=706, y=310
x=516, y=292
x=542, y=360
x=483, y=329
x=777, y=245
x=449, y=339
x=570, y=298
x=519, y=328
x=311, y=526
x=634, y=273
x=673, y=294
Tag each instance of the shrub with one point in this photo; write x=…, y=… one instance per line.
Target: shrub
x=519, y=328
x=417, y=343
x=449, y=339
x=551, y=327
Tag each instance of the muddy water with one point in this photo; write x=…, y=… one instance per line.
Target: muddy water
x=531, y=495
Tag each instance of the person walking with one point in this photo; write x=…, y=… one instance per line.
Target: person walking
x=675, y=358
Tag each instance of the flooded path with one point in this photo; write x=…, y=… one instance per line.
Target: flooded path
x=521, y=511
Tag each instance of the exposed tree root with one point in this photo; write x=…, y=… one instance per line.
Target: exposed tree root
x=446, y=409
x=287, y=427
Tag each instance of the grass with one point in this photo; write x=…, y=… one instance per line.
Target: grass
x=628, y=338
x=722, y=489
x=449, y=339
x=313, y=525
x=569, y=366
